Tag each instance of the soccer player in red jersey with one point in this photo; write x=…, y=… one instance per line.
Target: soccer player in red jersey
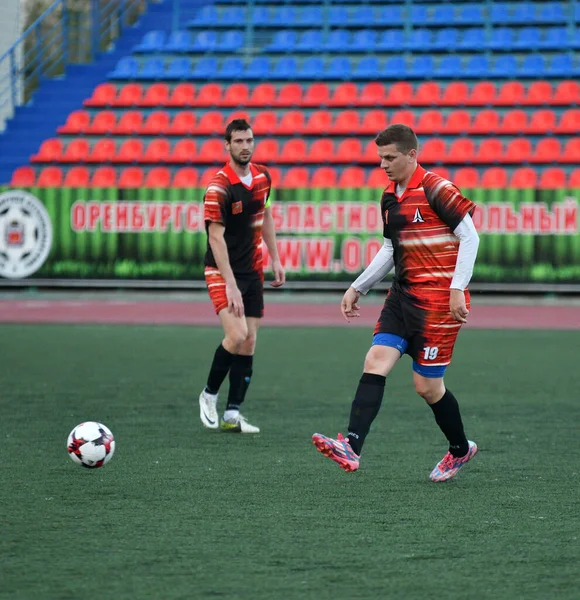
x=430, y=240
x=238, y=216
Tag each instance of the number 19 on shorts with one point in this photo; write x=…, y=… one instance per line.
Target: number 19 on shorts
x=430, y=352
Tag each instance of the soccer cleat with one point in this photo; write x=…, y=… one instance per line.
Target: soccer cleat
x=338, y=450
x=208, y=410
x=449, y=465
x=238, y=424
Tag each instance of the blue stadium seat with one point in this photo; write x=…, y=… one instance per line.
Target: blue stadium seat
x=444, y=14
x=310, y=41
x=206, y=17
x=261, y=15
x=504, y=66
x=420, y=39
x=391, y=40
x=283, y=41
x=419, y=13
x=532, y=66
x=366, y=68
x=258, y=68
x=470, y=14
x=555, y=38
x=231, y=69
x=524, y=13
x=178, y=41
x=552, y=12
x=472, y=39
x=178, y=69
x=502, y=38
x=499, y=13
x=449, y=67
x=422, y=67
x=528, y=38
x=446, y=39
x=337, y=16
x=391, y=16
x=308, y=16
x=205, y=41
x=394, y=68
x=286, y=68
x=363, y=15
x=154, y=68
x=285, y=15
x=338, y=68
x=577, y=13
x=234, y=14
x=127, y=68
x=311, y=68
x=153, y=41
x=231, y=41
x=364, y=40
x=477, y=67
x=205, y=68
x=561, y=65
x=338, y=40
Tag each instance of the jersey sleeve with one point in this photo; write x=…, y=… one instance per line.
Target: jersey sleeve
x=215, y=203
x=446, y=200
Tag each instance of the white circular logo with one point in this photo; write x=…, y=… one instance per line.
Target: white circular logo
x=25, y=234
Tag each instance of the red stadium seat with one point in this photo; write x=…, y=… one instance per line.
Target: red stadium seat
x=77, y=177
x=209, y=95
x=542, y=122
x=377, y=179
x=454, y=94
x=547, y=150
x=442, y=172
x=103, y=151
x=267, y=151
x=400, y=93
x=50, y=177
x=461, y=150
x=569, y=122
x=347, y=122
x=427, y=93
x=104, y=177
x=129, y=95
x=430, y=122
x=458, y=122
x=370, y=154
x=348, y=150
x=104, y=122
x=275, y=176
x=131, y=177
x=210, y=123
x=23, y=177
x=103, y=95
x=156, y=94
x=483, y=93
x=317, y=94
x=524, y=178
x=212, y=151
x=345, y=94
x=352, y=177
x=183, y=95
x=373, y=121
x=539, y=92
x=296, y=177
x=290, y=95
x=293, y=151
x=158, y=177
x=574, y=180
x=406, y=117
x=511, y=93
x=50, y=151
x=321, y=151
x=236, y=94
x=265, y=123
x=185, y=178
x=566, y=93
x=432, y=151
x=129, y=151
x=494, y=177
x=514, y=122
x=319, y=123
x=372, y=94
x=238, y=114
x=264, y=94
x=183, y=123
x=77, y=122
x=207, y=176
x=571, y=151
x=291, y=123
x=323, y=177
x=184, y=151
x=518, y=151
x=489, y=151
x=466, y=177
x=77, y=150
x=552, y=178
x=485, y=121
x=129, y=123
x=157, y=123
x=158, y=151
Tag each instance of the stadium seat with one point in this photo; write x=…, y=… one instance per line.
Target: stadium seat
x=321, y=151
x=183, y=94
x=560, y=65
x=502, y=38
x=366, y=68
x=346, y=122
x=76, y=150
x=317, y=94
x=157, y=123
x=449, y=66
x=566, y=93
x=406, y=117
x=504, y=66
x=157, y=151
x=478, y=67
x=494, y=177
x=210, y=123
x=372, y=122
x=23, y=177
x=489, y=150
x=152, y=42
x=131, y=177
x=311, y=68
x=400, y=93
x=77, y=177
x=390, y=40
x=158, y=177
x=204, y=69
x=283, y=41
x=445, y=40
x=363, y=40
x=547, y=150
x=352, y=177
x=542, y=122
x=265, y=123
x=430, y=122
x=574, y=180
x=510, y=94
x=458, y=122
x=472, y=39
x=212, y=151
x=50, y=177
x=454, y=94
x=514, y=122
x=129, y=95
x=394, y=67
x=524, y=178
x=518, y=151
x=129, y=123
x=103, y=95
x=209, y=95
x=432, y=151
x=483, y=93
x=236, y=94
x=570, y=152
x=179, y=41
x=348, y=150
x=264, y=94
x=345, y=94
x=290, y=94
x=186, y=177
x=319, y=123
x=372, y=94
x=156, y=94
x=291, y=122
x=461, y=150
x=104, y=150
x=104, y=122
x=466, y=177
x=206, y=177
x=296, y=177
x=527, y=39
x=377, y=179
x=184, y=151
x=422, y=67
x=532, y=65
x=427, y=93
x=309, y=41
x=257, y=69
x=323, y=177
x=50, y=151
x=231, y=41
x=552, y=178
x=204, y=41
x=569, y=122
x=130, y=151
x=126, y=68
x=370, y=154
x=286, y=68
x=178, y=69
x=104, y=177
x=539, y=93
x=77, y=122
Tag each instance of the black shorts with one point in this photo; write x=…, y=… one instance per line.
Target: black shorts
x=252, y=290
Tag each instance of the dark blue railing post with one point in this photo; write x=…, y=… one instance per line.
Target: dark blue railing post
x=175, y=21
x=95, y=24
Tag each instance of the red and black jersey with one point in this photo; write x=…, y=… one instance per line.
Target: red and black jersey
x=420, y=225
x=240, y=209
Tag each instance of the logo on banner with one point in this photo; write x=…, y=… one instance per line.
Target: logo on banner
x=25, y=234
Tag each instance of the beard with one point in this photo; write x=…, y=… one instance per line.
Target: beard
x=242, y=161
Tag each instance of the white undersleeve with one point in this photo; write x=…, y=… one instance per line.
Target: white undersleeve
x=468, y=244
x=381, y=264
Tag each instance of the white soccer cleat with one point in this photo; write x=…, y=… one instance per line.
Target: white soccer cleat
x=208, y=410
x=238, y=424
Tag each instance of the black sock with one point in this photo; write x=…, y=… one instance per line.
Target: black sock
x=365, y=407
x=448, y=418
x=222, y=361
x=240, y=377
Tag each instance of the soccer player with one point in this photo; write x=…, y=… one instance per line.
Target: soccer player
x=238, y=216
x=431, y=241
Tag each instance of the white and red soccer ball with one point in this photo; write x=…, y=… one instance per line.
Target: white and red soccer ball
x=91, y=445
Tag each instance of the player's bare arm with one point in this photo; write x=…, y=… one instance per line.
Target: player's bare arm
x=269, y=236
x=220, y=252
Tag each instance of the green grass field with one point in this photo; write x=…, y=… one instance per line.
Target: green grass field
x=181, y=512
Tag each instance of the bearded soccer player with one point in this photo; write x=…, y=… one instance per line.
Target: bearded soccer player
x=238, y=216
x=430, y=240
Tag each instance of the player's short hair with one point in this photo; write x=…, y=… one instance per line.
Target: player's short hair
x=400, y=135
x=236, y=125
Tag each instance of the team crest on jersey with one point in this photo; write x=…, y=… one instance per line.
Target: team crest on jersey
x=418, y=218
x=237, y=208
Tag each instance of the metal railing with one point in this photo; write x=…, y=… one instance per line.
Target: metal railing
x=68, y=32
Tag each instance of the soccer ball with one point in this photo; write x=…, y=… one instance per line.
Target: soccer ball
x=91, y=444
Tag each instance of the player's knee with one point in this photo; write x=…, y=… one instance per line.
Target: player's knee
x=249, y=344
x=430, y=390
x=236, y=339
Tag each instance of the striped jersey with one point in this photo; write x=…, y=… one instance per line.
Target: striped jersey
x=240, y=209
x=420, y=225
